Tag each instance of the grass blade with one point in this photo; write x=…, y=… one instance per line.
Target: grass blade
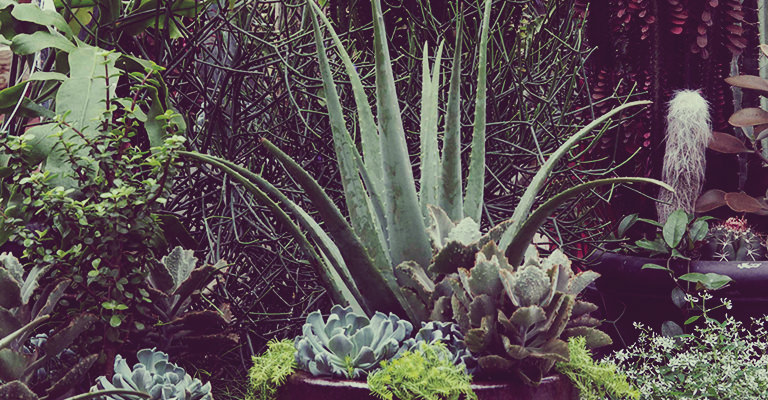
x=473, y=200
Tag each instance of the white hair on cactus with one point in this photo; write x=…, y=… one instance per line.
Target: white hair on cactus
x=689, y=131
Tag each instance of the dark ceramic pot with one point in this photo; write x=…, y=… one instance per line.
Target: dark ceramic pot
x=302, y=385
x=626, y=293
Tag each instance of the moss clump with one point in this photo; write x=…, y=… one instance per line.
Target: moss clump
x=424, y=372
x=271, y=369
x=594, y=381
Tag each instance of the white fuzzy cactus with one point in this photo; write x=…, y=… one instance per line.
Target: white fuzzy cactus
x=689, y=131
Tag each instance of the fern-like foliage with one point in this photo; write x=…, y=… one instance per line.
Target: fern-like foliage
x=271, y=369
x=425, y=372
x=595, y=381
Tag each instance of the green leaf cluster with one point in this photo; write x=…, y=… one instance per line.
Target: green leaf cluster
x=595, y=380
x=425, y=372
x=271, y=369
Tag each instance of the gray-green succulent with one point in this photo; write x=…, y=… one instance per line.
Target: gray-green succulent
x=515, y=319
x=449, y=334
x=349, y=344
x=24, y=305
x=153, y=375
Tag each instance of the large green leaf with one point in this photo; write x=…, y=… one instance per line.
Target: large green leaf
x=516, y=249
x=450, y=179
x=32, y=13
x=520, y=215
x=473, y=200
x=24, y=43
x=405, y=223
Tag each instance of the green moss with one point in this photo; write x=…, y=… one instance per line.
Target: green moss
x=423, y=373
x=271, y=369
x=594, y=381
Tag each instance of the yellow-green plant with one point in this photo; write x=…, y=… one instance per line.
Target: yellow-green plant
x=271, y=369
x=594, y=380
x=425, y=372
x=387, y=214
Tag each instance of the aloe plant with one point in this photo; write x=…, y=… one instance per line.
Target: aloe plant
x=386, y=210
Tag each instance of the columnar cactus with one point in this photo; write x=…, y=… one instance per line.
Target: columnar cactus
x=347, y=344
x=733, y=240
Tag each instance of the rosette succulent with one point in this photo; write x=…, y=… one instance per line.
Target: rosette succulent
x=155, y=376
x=515, y=320
x=450, y=336
x=348, y=344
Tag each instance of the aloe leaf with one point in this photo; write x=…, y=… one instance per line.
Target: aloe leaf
x=376, y=281
x=539, y=180
x=6, y=341
x=405, y=224
x=361, y=211
x=430, y=154
x=369, y=136
x=528, y=229
x=340, y=289
x=451, y=189
x=473, y=200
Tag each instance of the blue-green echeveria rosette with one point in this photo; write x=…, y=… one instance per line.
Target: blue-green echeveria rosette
x=447, y=333
x=154, y=375
x=349, y=345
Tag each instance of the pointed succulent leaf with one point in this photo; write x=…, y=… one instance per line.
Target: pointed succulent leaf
x=451, y=257
x=594, y=337
x=72, y=377
x=10, y=290
x=484, y=277
x=405, y=223
x=16, y=390
x=12, y=364
x=481, y=307
x=64, y=338
x=451, y=192
x=340, y=345
x=581, y=281
x=526, y=317
x=13, y=266
x=8, y=322
x=179, y=263
x=527, y=286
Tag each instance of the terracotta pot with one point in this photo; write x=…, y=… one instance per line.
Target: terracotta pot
x=302, y=385
x=627, y=293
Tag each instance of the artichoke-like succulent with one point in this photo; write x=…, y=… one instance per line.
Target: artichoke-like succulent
x=515, y=320
x=449, y=334
x=155, y=376
x=347, y=344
